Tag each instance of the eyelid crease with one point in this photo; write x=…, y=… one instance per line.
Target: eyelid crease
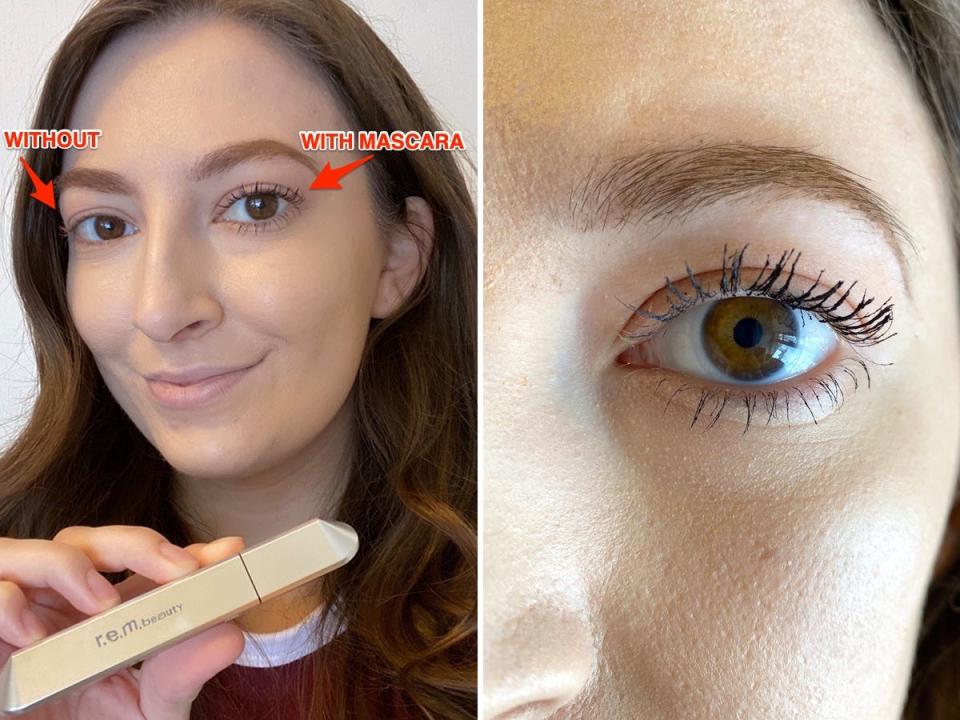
x=672, y=183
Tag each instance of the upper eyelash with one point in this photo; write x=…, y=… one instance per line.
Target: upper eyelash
x=859, y=329
x=291, y=195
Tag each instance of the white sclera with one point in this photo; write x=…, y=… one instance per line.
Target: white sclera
x=680, y=347
x=87, y=228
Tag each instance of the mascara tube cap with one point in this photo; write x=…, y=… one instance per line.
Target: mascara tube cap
x=308, y=551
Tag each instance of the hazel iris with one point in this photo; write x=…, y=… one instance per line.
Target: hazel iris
x=748, y=337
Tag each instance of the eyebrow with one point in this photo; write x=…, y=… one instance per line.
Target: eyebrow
x=213, y=163
x=672, y=183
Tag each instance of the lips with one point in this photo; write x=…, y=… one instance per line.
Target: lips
x=194, y=375
x=196, y=387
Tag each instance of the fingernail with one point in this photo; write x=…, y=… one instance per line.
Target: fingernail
x=224, y=540
x=33, y=629
x=178, y=556
x=101, y=588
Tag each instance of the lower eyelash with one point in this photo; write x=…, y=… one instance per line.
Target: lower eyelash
x=292, y=195
x=825, y=392
x=274, y=223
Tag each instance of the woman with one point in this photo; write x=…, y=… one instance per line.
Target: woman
x=189, y=245
x=717, y=479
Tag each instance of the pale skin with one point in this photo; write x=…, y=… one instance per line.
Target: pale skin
x=638, y=568
x=178, y=286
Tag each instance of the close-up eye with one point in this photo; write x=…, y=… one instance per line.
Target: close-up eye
x=763, y=336
x=259, y=207
x=738, y=341
x=98, y=228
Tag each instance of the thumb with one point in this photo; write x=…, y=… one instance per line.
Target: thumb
x=171, y=680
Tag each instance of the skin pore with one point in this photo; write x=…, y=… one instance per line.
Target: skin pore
x=638, y=567
x=192, y=280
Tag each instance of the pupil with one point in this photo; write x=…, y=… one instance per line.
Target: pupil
x=261, y=207
x=748, y=332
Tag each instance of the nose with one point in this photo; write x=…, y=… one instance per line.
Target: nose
x=536, y=662
x=175, y=295
x=539, y=625
x=545, y=538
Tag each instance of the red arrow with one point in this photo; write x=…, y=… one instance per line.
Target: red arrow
x=329, y=178
x=42, y=191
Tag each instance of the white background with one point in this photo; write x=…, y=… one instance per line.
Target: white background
x=436, y=40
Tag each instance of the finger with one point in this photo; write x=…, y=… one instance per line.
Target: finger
x=171, y=680
x=220, y=549
x=19, y=624
x=130, y=547
x=66, y=569
x=205, y=554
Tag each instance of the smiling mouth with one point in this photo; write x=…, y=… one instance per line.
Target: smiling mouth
x=207, y=391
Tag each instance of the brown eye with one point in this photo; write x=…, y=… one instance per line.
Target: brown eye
x=97, y=229
x=261, y=207
x=107, y=227
x=748, y=338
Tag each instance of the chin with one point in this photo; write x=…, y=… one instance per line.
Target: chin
x=210, y=459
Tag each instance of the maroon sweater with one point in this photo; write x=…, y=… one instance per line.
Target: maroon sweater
x=252, y=693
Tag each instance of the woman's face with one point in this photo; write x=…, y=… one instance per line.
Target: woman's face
x=638, y=567
x=217, y=253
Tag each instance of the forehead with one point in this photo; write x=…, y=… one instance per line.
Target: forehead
x=181, y=88
x=568, y=83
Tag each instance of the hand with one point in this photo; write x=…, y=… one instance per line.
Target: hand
x=49, y=585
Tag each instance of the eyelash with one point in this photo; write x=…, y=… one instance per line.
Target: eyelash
x=292, y=195
x=855, y=327
x=868, y=329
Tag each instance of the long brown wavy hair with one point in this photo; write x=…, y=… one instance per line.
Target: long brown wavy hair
x=927, y=33
x=407, y=603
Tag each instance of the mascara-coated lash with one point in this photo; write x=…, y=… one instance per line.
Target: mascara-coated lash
x=860, y=321
x=861, y=325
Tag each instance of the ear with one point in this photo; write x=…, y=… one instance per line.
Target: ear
x=408, y=246
x=950, y=544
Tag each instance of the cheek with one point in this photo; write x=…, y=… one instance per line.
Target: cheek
x=100, y=309
x=316, y=290
x=769, y=577
x=775, y=574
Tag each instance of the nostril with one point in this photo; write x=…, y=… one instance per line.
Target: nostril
x=532, y=711
x=537, y=662
x=537, y=701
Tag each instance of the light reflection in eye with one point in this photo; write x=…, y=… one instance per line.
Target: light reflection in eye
x=101, y=228
x=738, y=341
